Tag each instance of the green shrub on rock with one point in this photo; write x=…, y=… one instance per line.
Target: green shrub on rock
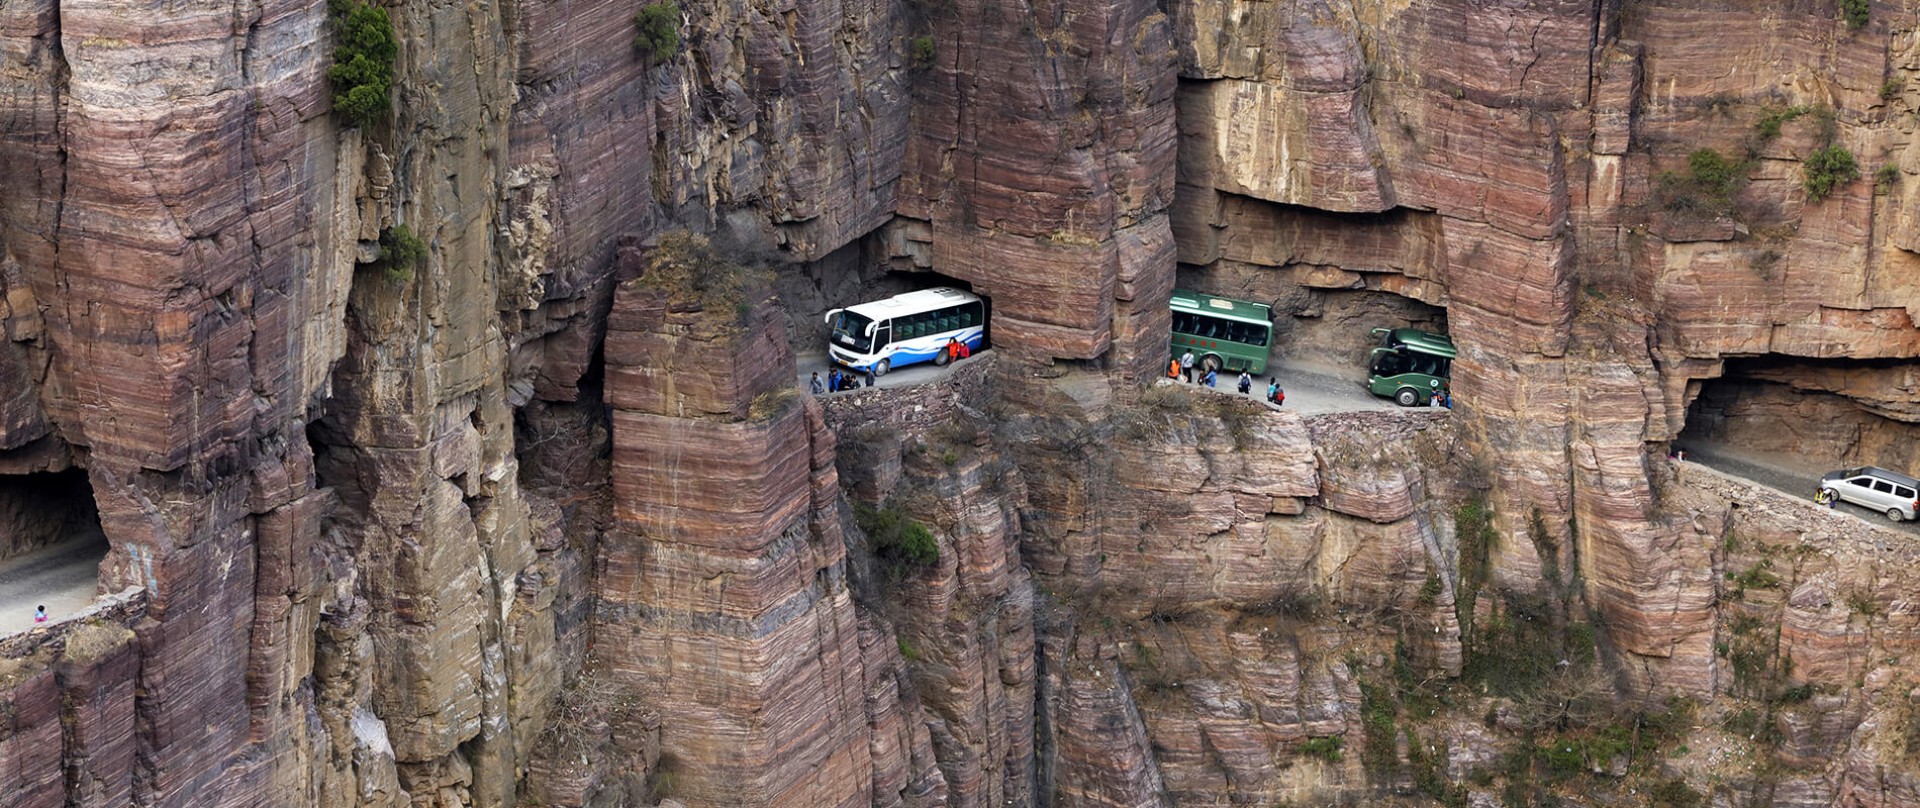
x=659, y=37
x=896, y=537
x=921, y=52
x=1708, y=186
x=1855, y=13
x=401, y=250
x=363, y=56
x=1826, y=169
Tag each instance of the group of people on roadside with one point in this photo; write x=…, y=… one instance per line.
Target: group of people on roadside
x=1182, y=369
x=838, y=380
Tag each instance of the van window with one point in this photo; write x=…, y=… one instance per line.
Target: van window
x=1883, y=486
x=1863, y=482
x=1903, y=492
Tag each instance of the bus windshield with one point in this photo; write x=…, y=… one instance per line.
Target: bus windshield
x=850, y=332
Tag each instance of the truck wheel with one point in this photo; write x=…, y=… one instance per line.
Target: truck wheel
x=1407, y=397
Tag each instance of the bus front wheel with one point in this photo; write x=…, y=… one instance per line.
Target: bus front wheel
x=881, y=367
x=1407, y=397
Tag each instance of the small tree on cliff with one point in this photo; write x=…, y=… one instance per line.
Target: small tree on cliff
x=401, y=251
x=659, y=37
x=362, y=71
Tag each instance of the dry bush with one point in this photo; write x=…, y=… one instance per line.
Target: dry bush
x=688, y=267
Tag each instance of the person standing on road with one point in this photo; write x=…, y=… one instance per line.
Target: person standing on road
x=817, y=386
x=1173, y=368
x=40, y=614
x=1246, y=383
x=870, y=377
x=1186, y=367
x=1275, y=394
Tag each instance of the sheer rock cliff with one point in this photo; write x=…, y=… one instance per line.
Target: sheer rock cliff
x=542, y=520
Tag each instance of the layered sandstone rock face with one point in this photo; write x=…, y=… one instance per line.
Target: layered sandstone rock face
x=722, y=598
x=1523, y=186
x=536, y=523
x=1053, y=198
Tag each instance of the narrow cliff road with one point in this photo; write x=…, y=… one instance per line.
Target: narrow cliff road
x=805, y=365
x=1311, y=389
x=1785, y=476
x=61, y=577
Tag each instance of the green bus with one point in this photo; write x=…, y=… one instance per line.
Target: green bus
x=1411, y=365
x=1222, y=333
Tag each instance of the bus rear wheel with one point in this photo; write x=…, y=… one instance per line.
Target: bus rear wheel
x=881, y=367
x=1407, y=397
x=1209, y=364
x=942, y=358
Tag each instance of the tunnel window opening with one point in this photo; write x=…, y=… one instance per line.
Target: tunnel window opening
x=1807, y=416
x=51, y=546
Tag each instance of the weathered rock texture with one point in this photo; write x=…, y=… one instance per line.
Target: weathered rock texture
x=524, y=524
x=722, y=597
x=1053, y=198
x=1521, y=175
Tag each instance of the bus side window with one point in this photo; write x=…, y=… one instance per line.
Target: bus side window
x=973, y=311
x=1260, y=336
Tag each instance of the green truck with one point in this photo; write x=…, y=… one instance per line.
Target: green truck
x=1410, y=366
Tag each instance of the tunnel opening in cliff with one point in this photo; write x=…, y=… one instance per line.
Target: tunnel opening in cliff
x=51, y=546
x=1333, y=328
x=1810, y=415
x=45, y=509
x=1328, y=330
x=864, y=270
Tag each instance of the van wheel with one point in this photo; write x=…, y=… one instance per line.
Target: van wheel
x=1894, y=515
x=1407, y=397
x=880, y=368
x=941, y=359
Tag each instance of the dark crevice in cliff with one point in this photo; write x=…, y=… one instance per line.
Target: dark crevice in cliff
x=1808, y=414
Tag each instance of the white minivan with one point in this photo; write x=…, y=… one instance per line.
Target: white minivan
x=1874, y=488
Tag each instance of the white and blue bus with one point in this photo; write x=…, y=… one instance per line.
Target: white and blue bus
x=906, y=329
